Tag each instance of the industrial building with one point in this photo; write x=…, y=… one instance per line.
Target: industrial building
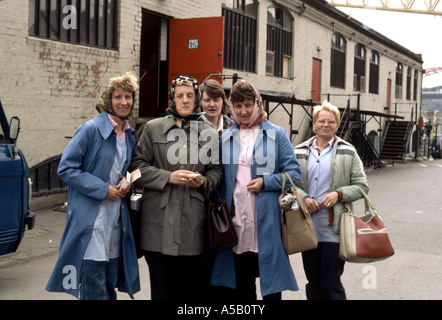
x=57, y=57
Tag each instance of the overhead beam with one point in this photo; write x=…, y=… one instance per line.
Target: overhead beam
x=408, y=6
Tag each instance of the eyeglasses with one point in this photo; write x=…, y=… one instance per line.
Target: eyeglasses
x=329, y=122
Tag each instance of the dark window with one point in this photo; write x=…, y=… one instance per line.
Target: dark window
x=415, y=85
x=373, y=86
x=240, y=34
x=86, y=22
x=337, y=72
x=408, y=92
x=398, y=86
x=359, y=68
x=279, y=43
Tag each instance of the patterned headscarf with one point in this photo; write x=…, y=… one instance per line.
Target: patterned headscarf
x=258, y=115
x=184, y=80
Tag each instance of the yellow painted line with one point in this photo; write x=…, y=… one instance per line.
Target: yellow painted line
x=439, y=165
x=423, y=165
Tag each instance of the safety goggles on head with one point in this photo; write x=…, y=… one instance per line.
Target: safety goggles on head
x=185, y=81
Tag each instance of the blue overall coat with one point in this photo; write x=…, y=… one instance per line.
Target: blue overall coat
x=85, y=166
x=272, y=155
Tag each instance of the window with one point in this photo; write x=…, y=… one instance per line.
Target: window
x=373, y=86
x=270, y=62
x=359, y=68
x=240, y=34
x=279, y=42
x=337, y=72
x=398, y=86
x=86, y=22
x=408, y=92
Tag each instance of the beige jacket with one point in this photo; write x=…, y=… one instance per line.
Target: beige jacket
x=346, y=175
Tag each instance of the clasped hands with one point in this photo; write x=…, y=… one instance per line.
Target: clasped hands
x=189, y=178
x=328, y=202
x=118, y=191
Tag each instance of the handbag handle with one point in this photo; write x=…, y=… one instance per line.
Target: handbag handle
x=301, y=203
x=208, y=190
x=284, y=174
x=369, y=205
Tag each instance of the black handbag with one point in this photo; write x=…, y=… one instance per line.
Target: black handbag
x=221, y=232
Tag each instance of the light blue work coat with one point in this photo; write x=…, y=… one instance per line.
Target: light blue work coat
x=272, y=155
x=85, y=166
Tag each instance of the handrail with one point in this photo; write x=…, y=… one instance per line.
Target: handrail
x=384, y=133
x=346, y=115
x=407, y=137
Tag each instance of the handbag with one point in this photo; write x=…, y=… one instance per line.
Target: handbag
x=364, y=239
x=298, y=230
x=221, y=231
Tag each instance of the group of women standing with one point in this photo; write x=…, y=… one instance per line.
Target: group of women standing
x=98, y=238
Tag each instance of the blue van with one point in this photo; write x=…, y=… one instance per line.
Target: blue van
x=15, y=187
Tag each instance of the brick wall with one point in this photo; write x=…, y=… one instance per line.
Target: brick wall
x=53, y=86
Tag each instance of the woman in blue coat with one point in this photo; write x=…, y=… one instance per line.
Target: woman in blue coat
x=97, y=252
x=254, y=154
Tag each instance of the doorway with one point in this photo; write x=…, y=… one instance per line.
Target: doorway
x=316, y=80
x=153, y=64
x=388, y=102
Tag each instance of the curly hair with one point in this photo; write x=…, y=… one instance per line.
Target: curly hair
x=127, y=82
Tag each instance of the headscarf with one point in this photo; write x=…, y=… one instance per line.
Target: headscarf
x=258, y=115
x=126, y=82
x=184, y=80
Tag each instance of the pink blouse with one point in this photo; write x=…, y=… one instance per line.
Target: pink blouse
x=245, y=204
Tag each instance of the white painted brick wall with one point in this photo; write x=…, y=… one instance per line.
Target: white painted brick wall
x=53, y=87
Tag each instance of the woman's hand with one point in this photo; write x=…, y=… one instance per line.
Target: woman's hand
x=255, y=185
x=192, y=179
x=195, y=180
x=312, y=205
x=118, y=191
x=123, y=185
x=114, y=193
x=329, y=200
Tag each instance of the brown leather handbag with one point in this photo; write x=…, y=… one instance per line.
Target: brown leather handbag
x=364, y=239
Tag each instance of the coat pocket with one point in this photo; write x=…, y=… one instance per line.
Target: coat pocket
x=197, y=218
x=153, y=214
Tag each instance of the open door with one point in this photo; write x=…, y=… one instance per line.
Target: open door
x=150, y=66
x=196, y=47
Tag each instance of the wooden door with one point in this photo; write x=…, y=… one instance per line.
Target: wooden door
x=388, y=102
x=316, y=80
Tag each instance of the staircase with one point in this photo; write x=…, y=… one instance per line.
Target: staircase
x=396, y=140
x=349, y=130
